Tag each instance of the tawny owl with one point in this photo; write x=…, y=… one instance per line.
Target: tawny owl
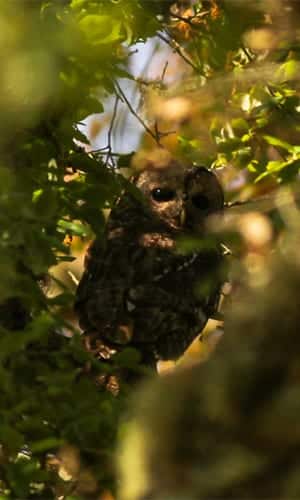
x=138, y=288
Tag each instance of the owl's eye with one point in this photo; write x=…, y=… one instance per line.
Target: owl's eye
x=163, y=194
x=200, y=201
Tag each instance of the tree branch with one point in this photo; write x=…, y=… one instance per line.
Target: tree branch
x=109, y=156
x=155, y=135
x=179, y=50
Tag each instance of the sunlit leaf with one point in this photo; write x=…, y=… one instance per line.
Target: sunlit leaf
x=100, y=29
x=275, y=141
x=73, y=227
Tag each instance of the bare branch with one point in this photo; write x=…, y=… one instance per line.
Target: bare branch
x=265, y=204
x=122, y=95
x=109, y=156
x=164, y=71
x=179, y=50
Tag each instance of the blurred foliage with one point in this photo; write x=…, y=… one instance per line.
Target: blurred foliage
x=238, y=99
x=59, y=58
x=227, y=428
x=235, y=101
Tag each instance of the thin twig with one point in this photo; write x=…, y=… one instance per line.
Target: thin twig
x=189, y=20
x=134, y=113
x=100, y=150
x=179, y=50
x=264, y=204
x=247, y=54
x=103, y=152
x=141, y=81
x=109, y=135
x=156, y=130
x=164, y=71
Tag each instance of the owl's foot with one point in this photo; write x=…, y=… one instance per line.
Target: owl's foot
x=95, y=346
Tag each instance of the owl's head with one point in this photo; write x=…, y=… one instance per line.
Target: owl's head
x=181, y=197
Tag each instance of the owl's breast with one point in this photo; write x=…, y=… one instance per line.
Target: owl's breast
x=140, y=284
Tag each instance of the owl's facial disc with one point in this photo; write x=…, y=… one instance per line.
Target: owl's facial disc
x=181, y=198
x=204, y=196
x=167, y=203
x=163, y=190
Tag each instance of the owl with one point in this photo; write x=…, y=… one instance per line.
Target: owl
x=138, y=288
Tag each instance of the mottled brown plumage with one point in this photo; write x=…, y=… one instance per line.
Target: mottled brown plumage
x=138, y=290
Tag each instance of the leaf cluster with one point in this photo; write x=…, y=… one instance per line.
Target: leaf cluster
x=59, y=60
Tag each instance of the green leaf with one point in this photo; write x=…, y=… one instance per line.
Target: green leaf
x=242, y=156
x=252, y=166
x=289, y=70
x=80, y=136
x=78, y=4
x=276, y=167
x=129, y=358
x=100, y=30
x=89, y=106
x=275, y=141
x=76, y=228
x=239, y=124
x=46, y=444
x=122, y=73
x=13, y=342
x=10, y=437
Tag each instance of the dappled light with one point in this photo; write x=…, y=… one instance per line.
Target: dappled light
x=149, y=210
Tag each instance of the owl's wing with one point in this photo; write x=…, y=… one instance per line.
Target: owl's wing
x=193, y=288
x=93, y=264
x=104, y=258
x=115, y=264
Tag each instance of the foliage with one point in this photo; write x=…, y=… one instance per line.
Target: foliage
x=60, y=60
